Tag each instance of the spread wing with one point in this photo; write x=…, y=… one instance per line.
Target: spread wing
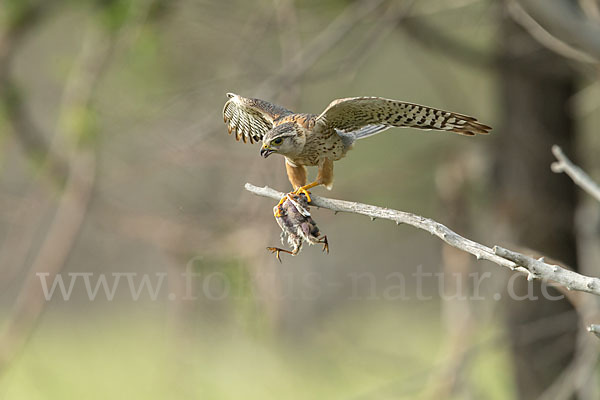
x=249, y=119
x=366, y=116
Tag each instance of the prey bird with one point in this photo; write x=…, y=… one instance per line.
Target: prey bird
x=297, y=225
x=319, y=140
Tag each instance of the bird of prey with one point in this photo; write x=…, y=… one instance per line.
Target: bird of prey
x=319, y=140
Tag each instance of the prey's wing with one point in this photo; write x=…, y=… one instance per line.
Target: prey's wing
x=366, y=116
x=249, y=119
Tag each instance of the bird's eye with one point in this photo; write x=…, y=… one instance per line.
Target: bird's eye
x=277, y=141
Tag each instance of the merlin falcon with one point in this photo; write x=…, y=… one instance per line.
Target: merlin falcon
x=319, y=140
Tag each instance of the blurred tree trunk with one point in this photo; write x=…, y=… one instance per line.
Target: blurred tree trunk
x=535, y=205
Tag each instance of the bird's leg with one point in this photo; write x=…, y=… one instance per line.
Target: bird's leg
x=325, y=243
x=277, y=250
x=324, y=177
x=304, y=189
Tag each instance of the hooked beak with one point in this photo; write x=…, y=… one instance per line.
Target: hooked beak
x=266, y=151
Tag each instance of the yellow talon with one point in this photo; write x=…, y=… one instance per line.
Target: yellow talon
x=277, y=208
x=302, y=190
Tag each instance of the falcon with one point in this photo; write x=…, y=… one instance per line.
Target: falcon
x=320, y=140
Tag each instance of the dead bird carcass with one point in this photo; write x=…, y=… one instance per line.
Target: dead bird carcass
x=296, y=223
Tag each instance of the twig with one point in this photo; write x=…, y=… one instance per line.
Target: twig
x=544, y=37
x=567, y=23
x=578, y=176
x=582, y=180
x=595, y=329
x=535, y=269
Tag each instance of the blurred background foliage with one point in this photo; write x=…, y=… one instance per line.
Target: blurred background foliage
x=114, y=159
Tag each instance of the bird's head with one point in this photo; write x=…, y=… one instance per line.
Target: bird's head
x=284, y=139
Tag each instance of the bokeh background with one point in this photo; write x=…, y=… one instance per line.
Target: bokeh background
x=114, y=161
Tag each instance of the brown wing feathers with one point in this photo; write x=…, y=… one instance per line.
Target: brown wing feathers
x=249, y=119
x=354, y=113
x=417, y=116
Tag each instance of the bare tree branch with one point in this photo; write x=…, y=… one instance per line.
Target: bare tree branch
x=560, y=26
x=535, y=269
x=539, y=269
x=583, y=180
x=578, y=176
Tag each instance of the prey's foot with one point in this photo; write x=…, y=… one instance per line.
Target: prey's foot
x=277, y=250
x=325, y=243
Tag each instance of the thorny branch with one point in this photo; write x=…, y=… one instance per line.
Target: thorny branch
x=578, y=176
x=535, y=269
x=581, y=179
